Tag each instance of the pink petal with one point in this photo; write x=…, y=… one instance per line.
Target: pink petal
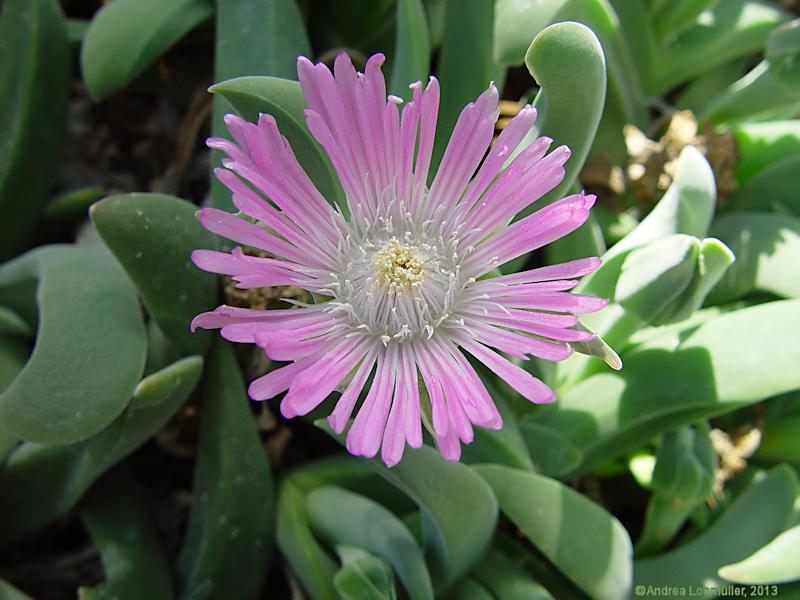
x=312, y=386
x=534, y=231
x=519, y=379
x=347, y=401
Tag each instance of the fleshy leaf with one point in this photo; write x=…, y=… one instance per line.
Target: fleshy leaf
x=363, y=576
x=341, y=517
x=752, y=520
x=684, y=374
x=579, y=537
x=553, y=454
x=41, y=483
x=507, y=580
x=311, y=564
x=126, y=36
x=412, y=52
x=767, y=246
x=116, y=516
x=761, y=145
x=229, y=536
x=9, y=592
x=566, y=59
x=734, y=28
x=255, y=37
x=683, y=478
x=152, y=236
x=774, y=563
x=34, y=93
x=431, y=482
x=90, y=344
x=772, y=189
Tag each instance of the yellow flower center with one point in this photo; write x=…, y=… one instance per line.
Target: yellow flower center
x=398, y=267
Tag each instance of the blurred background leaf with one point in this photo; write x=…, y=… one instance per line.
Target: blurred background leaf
x=34, y=93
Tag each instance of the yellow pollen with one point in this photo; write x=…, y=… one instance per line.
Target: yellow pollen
x=398, y=266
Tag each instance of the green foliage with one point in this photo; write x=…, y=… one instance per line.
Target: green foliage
x=564, y=60
x=152, y=236
x=229, y=536
x=126, y=36
x=363, y=576
x=34, y=91
x=42, y=482
x=84, y=300
x=682, y=479
x=116, y=517
x=109, y=413
x=466, y=65
x=253, y=37
x=342, y=518
x=583, y=541
x=412, y=54
x=774, y=563
x=755, y=518
x=425, y=477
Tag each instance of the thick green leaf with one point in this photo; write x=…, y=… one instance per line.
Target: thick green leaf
x=566, y=60
x=769, y=86
x=9, y=592
x=34, y=93
x=90, y=345
x=229, y=536
x=774, y=563
x=668, y=279
x=780, y=440
x=552, y=453
x=431, y=482
x=759, y=94
x=309, y=562
x=126, y=36
x=41, y=483
x=636, y=31
x=506, y=580
x=688, y=373
x=686, y=207
x=363, y=576
x=783, y=48
x=465, y=65
x=762, y=145
x=11, y=324
x=283, y=99
x=734, y=28
x=152, y=236
x=341, y=517
x=751, y=521
x=654, y=276
x=469, y=588
x=123, y=532
x=771, y=189
x=579, y=537
x=254, y=37
x=767, y=246
x=698, y=94
x=669, y=17
x=520, y=21
x=412, y=51
x=683, y=478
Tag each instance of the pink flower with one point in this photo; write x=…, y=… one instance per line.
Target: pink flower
x=403, y=274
